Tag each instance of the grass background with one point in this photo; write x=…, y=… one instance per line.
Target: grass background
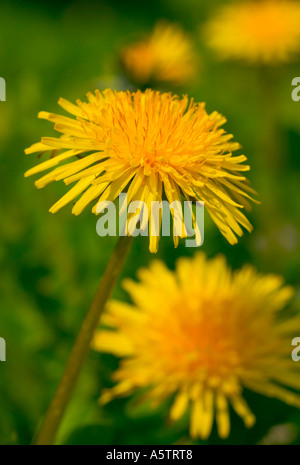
x=51, y=264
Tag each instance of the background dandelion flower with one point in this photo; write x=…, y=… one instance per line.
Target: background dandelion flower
x=149, y=144
x=165, y=56
x=265, y=31
x=200, y=335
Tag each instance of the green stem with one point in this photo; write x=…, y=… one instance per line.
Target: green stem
x=272, y=150
x=273, y=143
x=51, y=423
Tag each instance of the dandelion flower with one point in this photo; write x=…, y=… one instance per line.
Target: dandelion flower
x=165, y=56
x=149, y=144
x=199, y=336
x=265, y=31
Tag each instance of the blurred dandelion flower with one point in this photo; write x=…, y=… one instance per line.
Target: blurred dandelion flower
x=200, y=335
x=149, y=144
x=165, y=56
x=265, y=31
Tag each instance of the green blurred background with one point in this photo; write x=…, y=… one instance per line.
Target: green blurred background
x=51, y=264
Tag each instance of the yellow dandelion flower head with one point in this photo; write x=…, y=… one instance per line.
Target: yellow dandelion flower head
x=198, y=336
x=150, y=145
x=165, y=56
x=265, y=31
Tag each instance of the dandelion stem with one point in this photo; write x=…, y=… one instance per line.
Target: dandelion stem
x=272, y=150
x=54, y=415
x=273, y=144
